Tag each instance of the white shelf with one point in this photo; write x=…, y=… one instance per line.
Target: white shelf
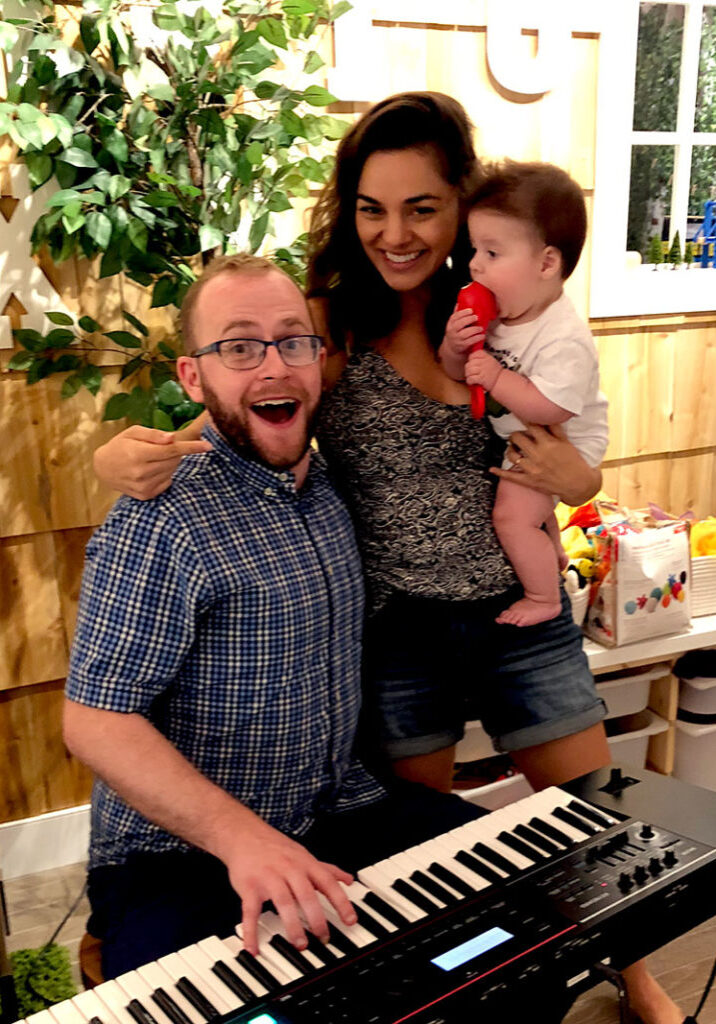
x=701, y=633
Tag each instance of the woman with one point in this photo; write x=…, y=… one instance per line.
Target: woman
x=388, y=253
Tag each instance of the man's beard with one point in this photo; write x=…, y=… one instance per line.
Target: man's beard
x=239, y=435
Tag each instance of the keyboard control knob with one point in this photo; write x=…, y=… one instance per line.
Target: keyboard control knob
x=655, y=866
x=640, y=874
x=670, y=859
x=625, y=883
x=647, y=832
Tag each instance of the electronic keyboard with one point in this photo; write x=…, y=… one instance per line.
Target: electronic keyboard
x=503, y=918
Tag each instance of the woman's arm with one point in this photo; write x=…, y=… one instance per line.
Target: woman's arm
x=141, y=461
x=550, y=463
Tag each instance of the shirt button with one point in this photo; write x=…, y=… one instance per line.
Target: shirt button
x=268, y=491
x=283, y=476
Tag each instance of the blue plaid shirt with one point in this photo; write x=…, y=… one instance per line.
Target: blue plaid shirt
x=228, y=611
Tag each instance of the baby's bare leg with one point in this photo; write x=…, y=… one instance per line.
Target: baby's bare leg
x=518, y=517
x=553, y=532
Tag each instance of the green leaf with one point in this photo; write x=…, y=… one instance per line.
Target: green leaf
x=160, y=373
x=167, y=350
x=88, y=324
x=342, y=7
x=258, y=231
x=21, y=361
x=66, y=363
x=91, y=377
x=89, y=33
x=161, y=421
x=8, y=36
x=171, y=393
x=131, y=367
x=60, y=338
x=255, y=153
x=210, y=237
x=99, y=228
x=295, y=8
x=40, y=368
x=116, y=407
x=313, y=62
x=164, y=292
x=317, y=96
x=72, y=218
x=116, y=144
x=77, y=157
x=61, y=319
x=124, y=338
x=118, y=186
x=65, y=196
x=332, y=127
x=111, y=263
x=265, y=90
x=161, y=199
x=137, y=324
x=138, y=234
x=39, y=168
x=279, y=202
x=33, y=341
x=71, y=385
x=272, y=30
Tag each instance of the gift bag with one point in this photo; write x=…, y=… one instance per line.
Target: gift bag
x=642, y=581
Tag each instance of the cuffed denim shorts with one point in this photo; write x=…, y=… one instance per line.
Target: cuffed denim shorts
x=430, y=665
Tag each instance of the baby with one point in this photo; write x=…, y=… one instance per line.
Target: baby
x=527, y=223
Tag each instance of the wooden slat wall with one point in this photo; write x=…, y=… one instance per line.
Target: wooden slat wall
x=656, y=372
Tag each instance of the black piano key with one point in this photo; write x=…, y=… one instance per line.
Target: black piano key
x=231, y=979
x=454, y=881
x=519, y=847
x=477, y=866
x=290, y=953
x=576, y=822
x=385, y=910
x=549, y=830
x=496, y=859
x=257, y=970
x=341, y=941
x=590, y=813
x=413, y=895
x=367, y=921
x=139, y=1013
x=433, y=888
x=197, y=999
x=319, y=949
x=165, y=1002
x=534, y=837
x=96, y=1020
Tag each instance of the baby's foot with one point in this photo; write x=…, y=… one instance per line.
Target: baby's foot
x=528, y=612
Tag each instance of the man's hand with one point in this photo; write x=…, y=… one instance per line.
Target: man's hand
x=483, y=369
x=267, y=865
x=141, y=461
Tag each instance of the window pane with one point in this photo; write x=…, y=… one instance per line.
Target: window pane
x=652, y=169
x=658, y=64
x=705, y=120
x=703, y=179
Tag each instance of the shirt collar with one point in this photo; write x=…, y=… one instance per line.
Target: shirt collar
x=260, y=477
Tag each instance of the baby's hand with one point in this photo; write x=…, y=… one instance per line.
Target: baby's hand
x=463, y=330
x=482, y=368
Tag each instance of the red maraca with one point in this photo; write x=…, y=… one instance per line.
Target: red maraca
x=482, y=302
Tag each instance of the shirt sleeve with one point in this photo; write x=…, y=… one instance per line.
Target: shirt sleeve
x=564, y=372
x=141, y=593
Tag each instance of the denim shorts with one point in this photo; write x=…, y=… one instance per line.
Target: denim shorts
x=430, y=665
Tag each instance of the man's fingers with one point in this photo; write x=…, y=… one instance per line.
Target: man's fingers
x=336, y=896
x=177, y=449
x=148, y=434
x=251, y=905
x=192, y=431
x=284, y=900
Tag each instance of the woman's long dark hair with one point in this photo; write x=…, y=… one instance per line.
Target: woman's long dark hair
x=360, y=304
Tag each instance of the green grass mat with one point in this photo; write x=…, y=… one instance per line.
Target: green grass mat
x=42, y=977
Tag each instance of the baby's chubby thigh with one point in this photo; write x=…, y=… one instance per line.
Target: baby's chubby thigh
x=519, y=508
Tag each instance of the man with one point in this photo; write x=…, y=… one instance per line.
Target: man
x=214, y=679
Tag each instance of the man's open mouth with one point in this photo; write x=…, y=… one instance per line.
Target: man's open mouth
x=276, y=410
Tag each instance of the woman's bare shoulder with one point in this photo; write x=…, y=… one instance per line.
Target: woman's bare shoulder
x=336, y=358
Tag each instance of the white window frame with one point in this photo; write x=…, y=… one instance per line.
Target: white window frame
x=616, y=288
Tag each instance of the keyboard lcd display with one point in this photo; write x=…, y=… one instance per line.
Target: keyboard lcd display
x=473, y=947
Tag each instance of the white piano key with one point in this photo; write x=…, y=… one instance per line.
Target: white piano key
x=266, y=958
x=90, y=1005
x=115, y=999
x=178, y=968
x=220, y=949
x=135, y=987
x=156, y=977
x=487, y=835
x=40, y=1017
x=265, y=935
x=355, y=932
x=413, y=862
x=197, y=959
x=356, y=893
x=66, y=1013
x=433, y=851
x=274, y=926
x=380, y=883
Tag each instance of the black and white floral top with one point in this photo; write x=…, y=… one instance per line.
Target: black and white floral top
x=414, y=473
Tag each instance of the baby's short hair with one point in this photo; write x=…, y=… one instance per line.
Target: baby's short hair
x=543, y=195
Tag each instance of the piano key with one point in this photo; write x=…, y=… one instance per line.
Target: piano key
x=496, y=858
x=600, y=818
x=273, y=924
x=415, y=896
x=412, y=861
x=446, y=853
x=257, y=970
x=397, y=869
x=227, y=950
x=569, y=818
x=141, y=1005
x=389, y=912
x=537, y=839
x=434, y=888
x=380, y=885
x=326, y=953
x=159, y=980
x=340, y=941
x=90, y=1005
x=39, y=1017
x=66, y=1013
x=526, y=849
x=289, y=952
x=268, y=959
x=200, y=993
x=558, y=835
x=116, y=1001
x=165, y=1002
x=456, y=882
x=201, y=964
x=479, y=867
x=369, y=920
x=356, y=933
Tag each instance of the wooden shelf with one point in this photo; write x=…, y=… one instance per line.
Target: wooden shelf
x=701, y=633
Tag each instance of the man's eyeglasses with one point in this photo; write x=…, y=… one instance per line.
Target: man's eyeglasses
x=248, y=353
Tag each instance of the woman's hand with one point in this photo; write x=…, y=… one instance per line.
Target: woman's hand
x=546, y=461
x=141, y=461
